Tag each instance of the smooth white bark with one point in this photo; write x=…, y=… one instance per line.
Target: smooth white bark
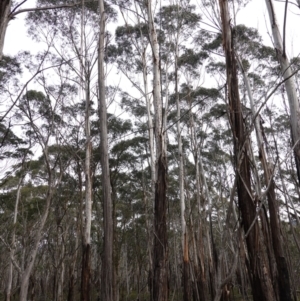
x=107, y=263
x=88, y=180
x=289, y=79
x=13, y=241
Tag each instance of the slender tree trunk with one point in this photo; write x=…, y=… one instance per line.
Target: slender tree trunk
x=283, y=277
x=289, y=84
x=13, y=241
x=200, y=270
x=27, y=272
x=5, y=6
x=60, y=283
x=107, y=262
x=262, y=288
x=184, y=234
x=86, y=244
x=211, y=249
x=150, y=125
x=159, y=285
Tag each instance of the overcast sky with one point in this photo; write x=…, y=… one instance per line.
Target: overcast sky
x=254, y=15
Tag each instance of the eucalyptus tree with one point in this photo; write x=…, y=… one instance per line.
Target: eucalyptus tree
x=132, y=54
x=77, y=47
x=205, y=127
x=282, y=274
x=259, y=62
x=9, y=10
x=107, y=262
x=35, y=105
x=130, y=177
x=289, y=81
x=11, y=147
x=159, y=275
x=178, y=22
x=159, y=285
x=259, y=271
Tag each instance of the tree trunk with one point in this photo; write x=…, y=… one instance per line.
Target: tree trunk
x=150, y=125
x=184, y=235
x=107, y=262
x=86, y=244
x=159, y=285
x=85, y=273
x=71, y=288
x=5, y=7
x=283, y=277
x=262, y=288
x=13, y=241
x=202, y=285
x=289, y=84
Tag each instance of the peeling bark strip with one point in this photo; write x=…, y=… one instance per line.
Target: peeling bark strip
x=259, y=273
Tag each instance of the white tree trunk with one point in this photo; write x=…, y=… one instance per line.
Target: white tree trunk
x=13, y=241
x=159, y=287
x=180, y=153
x=88, y=180
x=107, y=262
x=289, y=83
x=150, y=125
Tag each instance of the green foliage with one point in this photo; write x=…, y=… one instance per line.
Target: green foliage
x=191, y=60
x=8, y=138
x=174, y=17
x=9, y=67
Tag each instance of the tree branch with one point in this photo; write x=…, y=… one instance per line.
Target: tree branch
x=284, y=28
x=25, y=10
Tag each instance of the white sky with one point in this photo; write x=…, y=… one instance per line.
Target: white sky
x=253, y=15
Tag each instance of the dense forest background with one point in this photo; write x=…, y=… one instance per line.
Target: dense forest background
x=149, y=150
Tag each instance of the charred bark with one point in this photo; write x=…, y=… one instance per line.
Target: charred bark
x=160, y=267
x=160, y=255
x=186, y=271
x=262, y=288
x=85, y=273
x=71, y=287
x=275, y=248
